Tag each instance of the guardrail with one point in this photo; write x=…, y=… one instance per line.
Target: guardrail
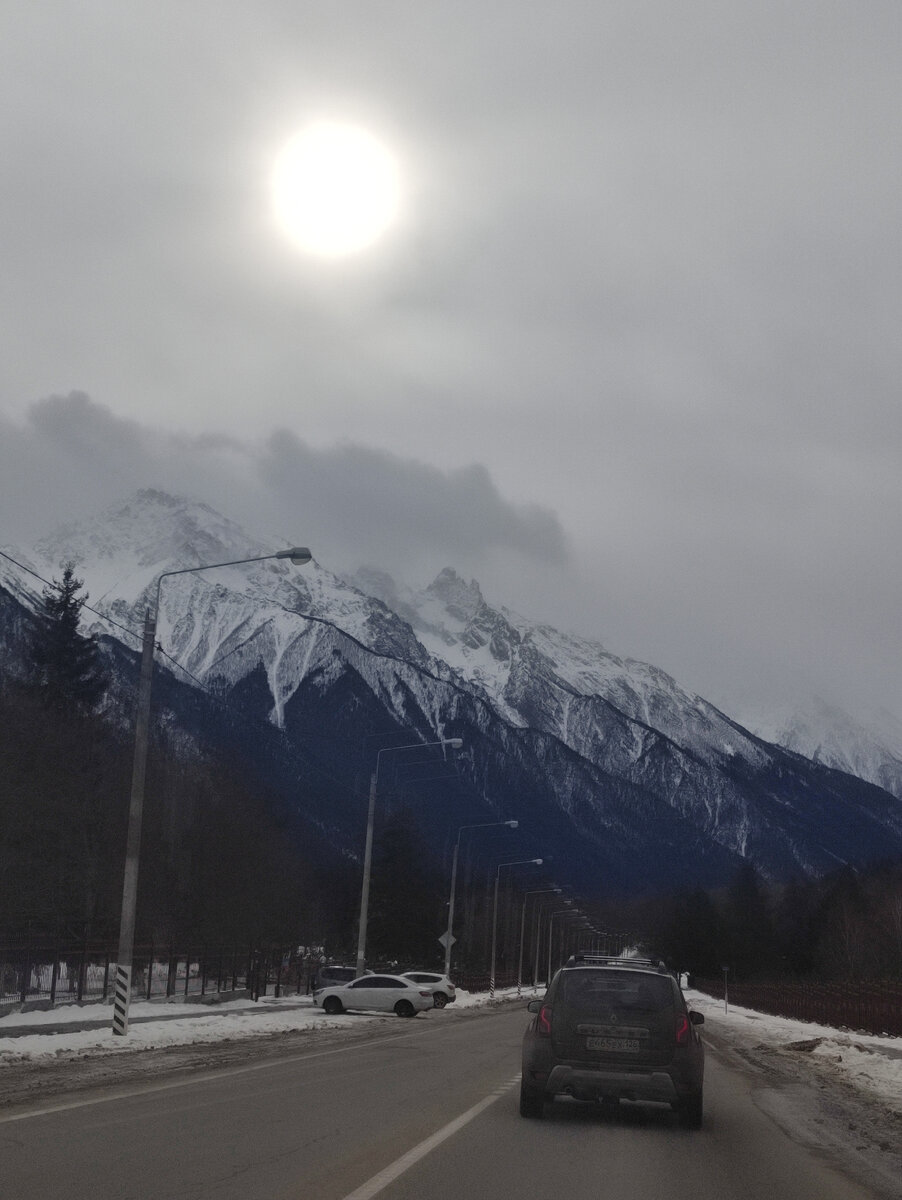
x=871, y=1006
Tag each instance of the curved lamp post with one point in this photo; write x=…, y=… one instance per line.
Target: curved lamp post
x=455, y=744
x=573, y=912
x=298, y=555
x=518, y=863
x=526, y=895
x=449, y=936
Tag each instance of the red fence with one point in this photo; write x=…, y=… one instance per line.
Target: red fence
x=872, y=1006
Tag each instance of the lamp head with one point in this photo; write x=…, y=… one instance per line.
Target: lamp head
x=454, y=743
x=512, y=824
x=299, y=555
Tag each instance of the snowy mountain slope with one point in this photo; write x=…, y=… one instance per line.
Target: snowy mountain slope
x=825, y=733
x=506, y=656
x=610, y=756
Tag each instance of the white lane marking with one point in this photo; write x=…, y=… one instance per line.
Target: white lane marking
x=374, y=1186
x=200, y=1078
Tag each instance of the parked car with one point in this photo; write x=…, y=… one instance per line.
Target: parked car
x=331, y=973
x=382, y=993
x=612, y=1029
x=443, y=990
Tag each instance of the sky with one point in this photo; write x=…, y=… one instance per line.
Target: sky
x=629, y=353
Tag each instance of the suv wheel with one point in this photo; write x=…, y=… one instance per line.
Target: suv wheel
x=532, y=1101
x=690, y=1111
x=439, y=999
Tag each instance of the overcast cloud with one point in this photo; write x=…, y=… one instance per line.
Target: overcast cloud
x=631, y=354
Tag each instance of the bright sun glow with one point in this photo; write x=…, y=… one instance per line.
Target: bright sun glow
x=335, y=189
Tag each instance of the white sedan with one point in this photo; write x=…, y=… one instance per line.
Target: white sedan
x=384, y=993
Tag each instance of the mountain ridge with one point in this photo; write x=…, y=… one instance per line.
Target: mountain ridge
x=605, y=747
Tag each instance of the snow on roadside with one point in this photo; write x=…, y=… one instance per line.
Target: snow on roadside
x=868, y=1062
x=228, y=1021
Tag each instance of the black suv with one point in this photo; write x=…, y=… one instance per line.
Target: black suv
x=612, y=1029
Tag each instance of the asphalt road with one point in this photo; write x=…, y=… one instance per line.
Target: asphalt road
x=424, y=1108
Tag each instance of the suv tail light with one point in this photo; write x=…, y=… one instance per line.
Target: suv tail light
x=683, y=1029
x=543, y=1021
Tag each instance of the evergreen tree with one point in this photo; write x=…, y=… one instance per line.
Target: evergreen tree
x=691, y=935
x=750, y=932
x=405, y=915
x=794, y=926
x=66, y=662
x=844, y=927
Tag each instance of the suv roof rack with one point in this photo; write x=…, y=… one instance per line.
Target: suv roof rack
x=578, y=960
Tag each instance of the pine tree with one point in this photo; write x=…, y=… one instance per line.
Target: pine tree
x=66, y=662
x=750, y=932
x=405, y=905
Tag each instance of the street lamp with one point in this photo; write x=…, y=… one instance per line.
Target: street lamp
x=573, y=912
x=535, y=961
x=298, y=555
x=518, y=863
x=455, y=744
x=526, y=895
x=449, y=937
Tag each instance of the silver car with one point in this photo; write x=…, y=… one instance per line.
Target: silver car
x=379, y=993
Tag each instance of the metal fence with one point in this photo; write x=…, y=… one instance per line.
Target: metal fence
x=479, y=981
x=62, y=974
x=871, y=1006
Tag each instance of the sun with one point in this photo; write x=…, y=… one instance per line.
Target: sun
x=335, y=188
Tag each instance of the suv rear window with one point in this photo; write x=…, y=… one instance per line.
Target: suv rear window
x=623, y=992
x=614, y=1015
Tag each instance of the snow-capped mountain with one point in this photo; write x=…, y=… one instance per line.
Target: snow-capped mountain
x=535, y=675
x=620, y=771
x=222, y=623
x=827, y=734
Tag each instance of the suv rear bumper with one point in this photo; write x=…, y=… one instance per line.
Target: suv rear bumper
x=594, y=1084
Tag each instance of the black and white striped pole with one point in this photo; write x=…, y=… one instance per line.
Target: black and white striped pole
x=123, y=989
x=299, y=555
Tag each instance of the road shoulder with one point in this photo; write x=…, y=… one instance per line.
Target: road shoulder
x=856, y=1132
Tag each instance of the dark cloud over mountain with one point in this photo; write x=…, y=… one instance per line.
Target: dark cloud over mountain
x=353, y=503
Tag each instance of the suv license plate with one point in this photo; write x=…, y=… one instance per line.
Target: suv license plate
x=627, y=1045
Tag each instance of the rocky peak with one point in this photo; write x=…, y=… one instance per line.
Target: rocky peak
x=152, y=528
x=462, y=600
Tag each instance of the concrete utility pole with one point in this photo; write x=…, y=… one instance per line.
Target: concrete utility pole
x=526, y=895
x=449, y=936
x=455, y=744
x=299, y=556
x=517, y=863
x=123, y=989
x=367, y=871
